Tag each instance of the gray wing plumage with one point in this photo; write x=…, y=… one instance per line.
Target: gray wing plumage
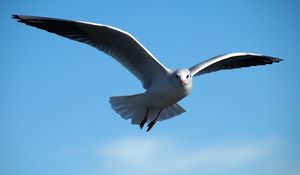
x=117, y=43
x=232, y=61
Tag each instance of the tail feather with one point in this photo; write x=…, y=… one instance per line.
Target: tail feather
x=170, y=112
x=128, y=106
x=138, y=116
x=134, y=107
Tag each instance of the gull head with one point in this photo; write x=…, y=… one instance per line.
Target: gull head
x=183, y=78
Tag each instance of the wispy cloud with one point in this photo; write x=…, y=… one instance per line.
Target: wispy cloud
x=135, y=156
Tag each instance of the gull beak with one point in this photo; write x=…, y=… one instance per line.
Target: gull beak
x=182, y=82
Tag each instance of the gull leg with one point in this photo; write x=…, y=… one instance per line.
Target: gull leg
x=145, y=119
x=151, y=124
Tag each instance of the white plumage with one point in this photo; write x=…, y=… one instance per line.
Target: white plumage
x=164, y=87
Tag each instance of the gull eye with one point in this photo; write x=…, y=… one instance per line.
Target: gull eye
x=187, y=76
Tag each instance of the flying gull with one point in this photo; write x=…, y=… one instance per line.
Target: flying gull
x=164, y=87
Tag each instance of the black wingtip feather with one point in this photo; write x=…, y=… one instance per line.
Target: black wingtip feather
x=19, y=19
x=15, y=17
x=272, y=59
x=277, y=60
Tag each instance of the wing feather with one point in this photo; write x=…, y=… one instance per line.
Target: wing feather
x=232, y=61
x=117, y=43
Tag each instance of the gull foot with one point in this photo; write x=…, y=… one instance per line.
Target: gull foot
x=150, y=125
x=144, y=120
x=143, y=123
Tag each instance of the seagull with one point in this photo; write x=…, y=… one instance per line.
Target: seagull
x=164, y=87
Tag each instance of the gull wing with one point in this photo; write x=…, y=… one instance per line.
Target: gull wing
x=115, y=42
x=232, y=61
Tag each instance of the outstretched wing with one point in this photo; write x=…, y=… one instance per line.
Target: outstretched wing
x=232, y=61
x=117, y=43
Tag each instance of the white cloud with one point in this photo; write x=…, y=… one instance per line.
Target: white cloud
x=131, y=151
x=136, y=156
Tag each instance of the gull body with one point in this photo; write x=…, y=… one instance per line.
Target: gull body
x=170, y=89
x=164, y=87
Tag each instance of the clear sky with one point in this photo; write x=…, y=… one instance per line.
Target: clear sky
x=55, y=118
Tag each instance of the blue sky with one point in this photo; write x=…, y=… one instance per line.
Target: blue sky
x=54, y=110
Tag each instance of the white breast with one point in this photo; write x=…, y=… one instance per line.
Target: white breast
x=164, y=93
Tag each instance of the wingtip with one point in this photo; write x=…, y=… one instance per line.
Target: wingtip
x=277, y=60
x=15, y=16
x=273, y=59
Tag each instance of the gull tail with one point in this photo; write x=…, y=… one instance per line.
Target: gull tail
x=129, y=107
x=171, y=111
x=134, y=107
